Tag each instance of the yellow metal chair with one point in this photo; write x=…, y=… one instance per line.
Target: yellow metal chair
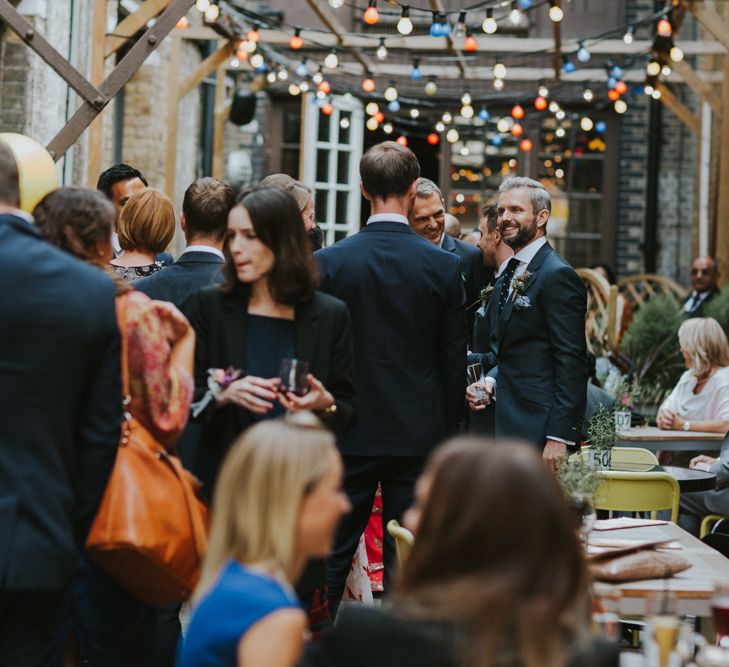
x=628, y=456
x=634, y=455
x=638, y=492
x=708, y=523
x=403, y=540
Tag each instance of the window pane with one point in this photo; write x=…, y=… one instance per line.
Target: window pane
x=292, y=126
x=290, y=162
x=342, y=200
x=321, y=205
x=324, y=127
x=585, y=215
x=322, y=166
x=343, y=167
x=339, y=235
x=587, y=175
x=578, y=252
x=344, y=133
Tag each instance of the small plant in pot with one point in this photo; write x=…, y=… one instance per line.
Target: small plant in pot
x=580, y=482
x=601, y=437
x=626, y=395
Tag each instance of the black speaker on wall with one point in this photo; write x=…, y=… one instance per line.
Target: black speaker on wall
x=243, y=108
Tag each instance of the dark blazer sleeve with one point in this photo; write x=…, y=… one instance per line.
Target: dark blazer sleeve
x=566, y=327
x=341, y=382
x=195, y=309
x=100, y=426
x=452, y=351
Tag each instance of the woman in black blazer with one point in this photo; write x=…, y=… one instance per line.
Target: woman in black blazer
x=267, y=309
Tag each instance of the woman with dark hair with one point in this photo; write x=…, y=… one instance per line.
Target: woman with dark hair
x=496, y=576
x=267, y=310
x=112, y=627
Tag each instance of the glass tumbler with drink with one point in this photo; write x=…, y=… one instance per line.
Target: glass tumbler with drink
x=293, y=374
x=477, y=384
x=663, y=627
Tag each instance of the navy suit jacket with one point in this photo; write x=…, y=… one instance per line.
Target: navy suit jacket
x=407, y=300
x=191, y=272
x=474, y=273
x=60, y=405
x=541, y=353
x=698, y=311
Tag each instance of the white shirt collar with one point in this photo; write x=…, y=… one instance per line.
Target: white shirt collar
x=502, y=267
x=115, y=242
x=204, y=248
x=527, y=253
x=388, y=217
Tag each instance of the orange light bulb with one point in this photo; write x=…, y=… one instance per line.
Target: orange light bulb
x=517, y=112
x=540, y=104
x=327, y=109
x=621, y=87
x=517, y=130
x=371, y=15
x=526, y=145
x=471, y=44
x=402, y=140
x=368, y=85
x=613, y=94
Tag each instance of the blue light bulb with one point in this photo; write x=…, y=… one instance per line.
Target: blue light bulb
x=497, y=140
x=583, y=55
x=525, y=4
x=569, y=66
x=601, y=126
x=612, y=82
x=301, y=69
x=415, y=75
x=484, y=114
x=435, y=29
x=394, y=106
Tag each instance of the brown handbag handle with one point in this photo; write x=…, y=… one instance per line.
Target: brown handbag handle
x=121, y=317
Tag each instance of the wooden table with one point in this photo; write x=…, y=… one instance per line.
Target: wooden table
x=693, y=587
x=653, y=438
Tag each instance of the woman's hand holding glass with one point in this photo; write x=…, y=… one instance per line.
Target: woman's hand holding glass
x=252, y=393
x=317, y=398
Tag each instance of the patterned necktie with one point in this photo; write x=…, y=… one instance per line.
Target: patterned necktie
x=508, y=275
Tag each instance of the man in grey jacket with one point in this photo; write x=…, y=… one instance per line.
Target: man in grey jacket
x=695, y=506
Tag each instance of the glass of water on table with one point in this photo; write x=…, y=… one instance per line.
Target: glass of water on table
x=477, y=382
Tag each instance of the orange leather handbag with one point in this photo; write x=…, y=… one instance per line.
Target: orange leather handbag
x=150, y=532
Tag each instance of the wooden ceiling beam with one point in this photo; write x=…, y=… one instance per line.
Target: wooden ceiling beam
x=133, y=24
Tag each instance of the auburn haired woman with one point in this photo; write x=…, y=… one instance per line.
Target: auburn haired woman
x=496, y=576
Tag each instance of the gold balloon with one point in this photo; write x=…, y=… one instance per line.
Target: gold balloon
x=36, y=170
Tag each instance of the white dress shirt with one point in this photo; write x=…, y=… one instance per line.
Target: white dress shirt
x=388, y=217
x=204, y=248
x=525, y=255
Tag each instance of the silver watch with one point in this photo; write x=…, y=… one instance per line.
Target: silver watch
x=687, y=426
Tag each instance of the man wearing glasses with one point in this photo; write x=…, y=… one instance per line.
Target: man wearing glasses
x=704, y=275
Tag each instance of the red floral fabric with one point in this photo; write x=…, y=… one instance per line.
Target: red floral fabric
x=161, y=393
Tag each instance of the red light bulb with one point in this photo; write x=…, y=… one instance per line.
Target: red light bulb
x=379, y=116
x=371, y=15
x=402, y=140
x=433, y=139
x=325, y=87
x=526, y=145
x=664, y=28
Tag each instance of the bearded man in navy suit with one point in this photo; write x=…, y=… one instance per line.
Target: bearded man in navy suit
x=407, y=301
x=536, y=320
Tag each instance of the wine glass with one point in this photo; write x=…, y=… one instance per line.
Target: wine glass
x=720, y=609
x=293, y=373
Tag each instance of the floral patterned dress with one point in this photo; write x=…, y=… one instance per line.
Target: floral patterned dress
x=161, y=393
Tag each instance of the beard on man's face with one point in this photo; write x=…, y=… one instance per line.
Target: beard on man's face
x=524, y=236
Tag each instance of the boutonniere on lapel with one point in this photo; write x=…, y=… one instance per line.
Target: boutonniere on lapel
x=519, y=285
x=484, y=296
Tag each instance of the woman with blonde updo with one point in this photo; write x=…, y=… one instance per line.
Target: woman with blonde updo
x=700, y=399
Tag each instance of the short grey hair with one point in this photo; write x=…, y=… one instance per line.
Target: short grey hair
x=537, y=192
x=426, y=187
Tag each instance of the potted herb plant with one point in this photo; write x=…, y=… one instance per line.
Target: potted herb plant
x=601, y=437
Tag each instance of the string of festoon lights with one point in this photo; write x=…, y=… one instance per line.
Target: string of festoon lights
x=267, y=61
